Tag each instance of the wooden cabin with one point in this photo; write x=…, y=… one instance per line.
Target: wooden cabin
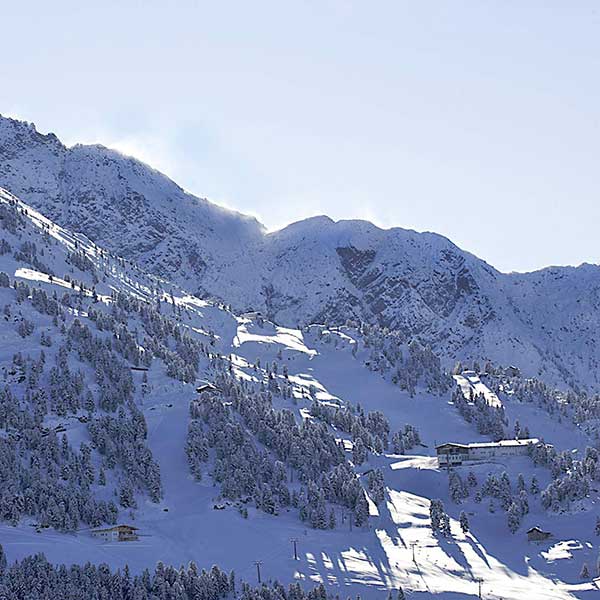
x=535, y=534
x=118, y=533
x=206, y=387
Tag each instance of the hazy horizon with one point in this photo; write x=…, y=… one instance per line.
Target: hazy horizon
x=478, y=123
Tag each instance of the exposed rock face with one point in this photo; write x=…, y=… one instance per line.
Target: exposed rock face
x=314, y=270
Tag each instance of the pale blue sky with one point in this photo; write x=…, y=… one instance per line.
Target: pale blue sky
x=478, y=120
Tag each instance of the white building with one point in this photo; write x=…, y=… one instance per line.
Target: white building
x=456, y=454
x=119, y=533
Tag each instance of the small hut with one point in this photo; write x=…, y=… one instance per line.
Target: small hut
x=535, y=534
x=206, y=387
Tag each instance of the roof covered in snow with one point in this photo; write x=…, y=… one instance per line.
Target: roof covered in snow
x=505, y=443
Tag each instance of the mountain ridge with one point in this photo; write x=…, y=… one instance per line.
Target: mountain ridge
x=317, y=269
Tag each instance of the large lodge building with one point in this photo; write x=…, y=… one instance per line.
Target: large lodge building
x=450, y=454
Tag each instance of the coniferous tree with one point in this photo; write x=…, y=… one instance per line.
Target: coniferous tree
x=463, y=520
x=3, y=562
x=514, y=516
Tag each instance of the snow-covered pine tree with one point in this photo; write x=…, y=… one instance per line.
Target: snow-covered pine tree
x=463, y=520
x=514, y=516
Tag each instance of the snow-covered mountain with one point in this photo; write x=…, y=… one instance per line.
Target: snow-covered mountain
x=120, y=203
x=222, y=437
x=315, y=270
x=125, y=399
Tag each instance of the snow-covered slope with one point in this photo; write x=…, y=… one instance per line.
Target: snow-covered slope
x=315, y=270
x=59, y=292
x=120, y=203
